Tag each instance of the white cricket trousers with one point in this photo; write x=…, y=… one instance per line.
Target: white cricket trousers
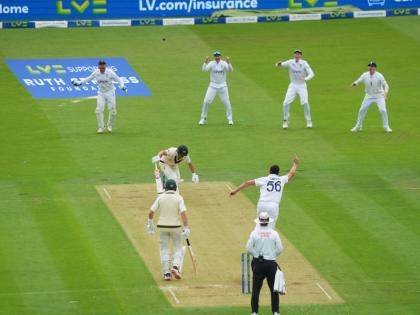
x=367, y=102
x=224, y=97
x=107, y=98
x=165, y=236
x=272, y=209
x=292, y=91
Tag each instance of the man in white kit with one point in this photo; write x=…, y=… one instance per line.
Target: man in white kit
x=217, y=86
x=299, y=73
x=104, y=77
x=271, y=190
x=172, y=210
x=376, y=89
x=169, y=160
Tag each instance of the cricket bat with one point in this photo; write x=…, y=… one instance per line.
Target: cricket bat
x=192, y=256
x=158, y=180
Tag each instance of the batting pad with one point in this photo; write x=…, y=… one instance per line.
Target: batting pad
x=220, y=227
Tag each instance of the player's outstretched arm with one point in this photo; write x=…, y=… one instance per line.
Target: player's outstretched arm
x=246, y=184
x=195, y=179
x=294, y=167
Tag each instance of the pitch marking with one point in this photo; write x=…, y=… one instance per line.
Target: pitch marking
x=107, y=193
x=173, y=295
x=325, y=292
x=228, y=187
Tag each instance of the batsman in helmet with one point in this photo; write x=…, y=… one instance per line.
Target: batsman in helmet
x=172, y=211
x=169, y=160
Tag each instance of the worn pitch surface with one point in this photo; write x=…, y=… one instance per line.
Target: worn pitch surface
x=220, y=227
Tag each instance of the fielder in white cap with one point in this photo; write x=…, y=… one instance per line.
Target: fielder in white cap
x=271, y=190
x=299, y=73
x=376, y=89
x=218, y=86
x=264, y=245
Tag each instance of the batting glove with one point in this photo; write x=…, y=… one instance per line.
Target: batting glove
x=195, y=179
x=155, y=159
x=124, y=88
x=150, y=227
x=76, y=82
x=186, y=232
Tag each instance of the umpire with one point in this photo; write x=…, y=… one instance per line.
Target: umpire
x=264, y=245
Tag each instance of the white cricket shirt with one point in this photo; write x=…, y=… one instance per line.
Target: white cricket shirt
x=218, y=72
x=375, y=85
x=104, y=80
x=299, y=72
x=271, y=187
x=171, y=158
x=264, y=241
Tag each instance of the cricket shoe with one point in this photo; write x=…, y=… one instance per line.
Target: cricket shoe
x=309, y=124
x=175, y=272
x=100, y=130
x=109, y=129
x=356, y=129
x=387, y=129
x=230, y=122
x=202, y=121
x=167, y=277
x=285, y=124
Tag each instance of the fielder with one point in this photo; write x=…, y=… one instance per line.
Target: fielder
x=299, y=73
x=376, y=89
x=217, y=85
x=104, y=77
x=172, y=210
x=168, y=162
x=271, y=190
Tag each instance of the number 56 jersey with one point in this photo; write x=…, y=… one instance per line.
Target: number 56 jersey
x=271, y=188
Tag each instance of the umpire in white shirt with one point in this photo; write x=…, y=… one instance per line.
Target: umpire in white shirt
x=376, y=89
x=264, y=245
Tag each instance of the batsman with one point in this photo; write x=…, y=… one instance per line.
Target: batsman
x=169, y=160
x=172, y=212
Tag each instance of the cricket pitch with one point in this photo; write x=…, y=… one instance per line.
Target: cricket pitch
x=220, y=227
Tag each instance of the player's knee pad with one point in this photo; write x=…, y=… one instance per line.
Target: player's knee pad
x=114, y=112
x=99, y=111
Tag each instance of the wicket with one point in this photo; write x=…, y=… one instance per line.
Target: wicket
x=248, y=272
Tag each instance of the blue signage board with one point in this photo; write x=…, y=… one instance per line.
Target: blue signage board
x=51, y=78
x=31, y=10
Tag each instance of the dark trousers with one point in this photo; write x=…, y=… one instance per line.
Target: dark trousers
x=260, y=271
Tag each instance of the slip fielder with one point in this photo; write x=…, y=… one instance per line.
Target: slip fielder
x=169, y=160
x=218, y=86
x=299, y=73
x=172, y=210
x=271, y=190
x=104, y=77
x=376, y=89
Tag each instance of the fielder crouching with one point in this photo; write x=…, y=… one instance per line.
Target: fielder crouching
x=172, y=211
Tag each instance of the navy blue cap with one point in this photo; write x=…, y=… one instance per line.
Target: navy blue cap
x=217, y=53
x=372, y=64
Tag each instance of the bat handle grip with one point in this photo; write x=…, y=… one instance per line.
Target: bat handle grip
x=188, y=242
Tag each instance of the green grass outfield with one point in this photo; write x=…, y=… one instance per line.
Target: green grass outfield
x=353, y=209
